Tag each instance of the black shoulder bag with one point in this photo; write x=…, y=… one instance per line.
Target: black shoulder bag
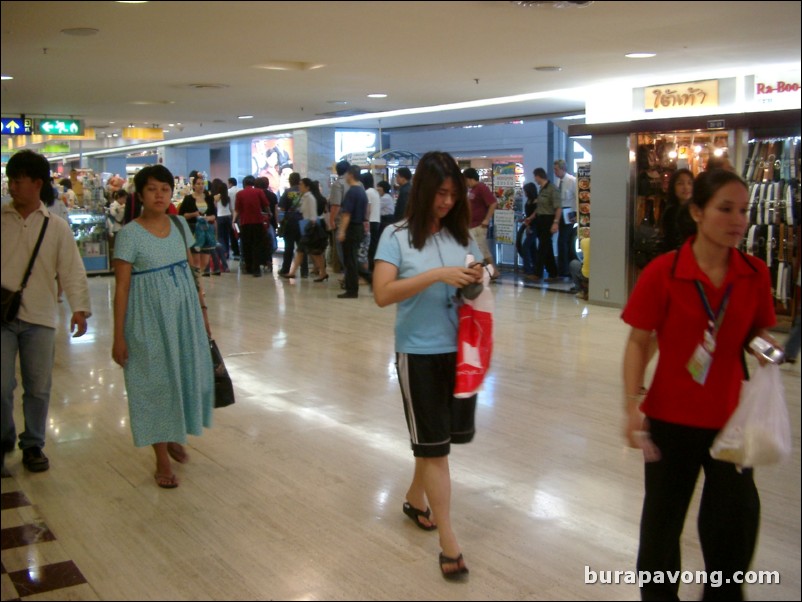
x=11, y=300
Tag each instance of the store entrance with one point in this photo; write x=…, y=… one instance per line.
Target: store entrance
x=658, y=157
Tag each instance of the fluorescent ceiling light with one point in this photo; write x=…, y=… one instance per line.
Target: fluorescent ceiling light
x=377, y=95
x=80, y=31
x=245, y=117
x=289, y=66
x=568, y=93
x=640, y=55
x=6, y=77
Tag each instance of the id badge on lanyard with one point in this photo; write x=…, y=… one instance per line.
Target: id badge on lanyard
x=702, y=358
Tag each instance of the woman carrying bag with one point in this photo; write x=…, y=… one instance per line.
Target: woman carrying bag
x=705, y=301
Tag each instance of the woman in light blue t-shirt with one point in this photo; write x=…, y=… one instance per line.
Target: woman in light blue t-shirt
x=420, y=265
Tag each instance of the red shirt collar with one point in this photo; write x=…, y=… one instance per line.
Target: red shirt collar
x=686, y=268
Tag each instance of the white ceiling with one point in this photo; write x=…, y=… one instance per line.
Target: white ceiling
x=150, y=64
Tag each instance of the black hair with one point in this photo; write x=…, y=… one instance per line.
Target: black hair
x=671, y=194
x=384, y=185
x=158, y=172
x=356, y=172
x=232, y=181
x=219, y=187
x=27, y=163
x=404, y=173
x=295, y=178
x=530, y=190
x=471, y=174
x=434, y=168
x=708, y=183
x=539, y=172
x=249, y=181
x=366, y=179
x=342, y=167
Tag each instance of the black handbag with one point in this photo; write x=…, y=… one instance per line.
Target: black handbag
x=11, y=300
x=223, y=387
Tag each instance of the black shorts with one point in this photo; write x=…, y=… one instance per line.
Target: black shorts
x=435, y=418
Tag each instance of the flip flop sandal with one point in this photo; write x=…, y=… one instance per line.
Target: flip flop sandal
x=166, y=482
x=460, y=574
x=414, y=514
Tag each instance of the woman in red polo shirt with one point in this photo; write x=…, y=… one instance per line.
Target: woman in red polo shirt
x=705, y=302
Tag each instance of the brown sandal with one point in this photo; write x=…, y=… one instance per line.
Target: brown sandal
x=458, y=575
x=166, y=481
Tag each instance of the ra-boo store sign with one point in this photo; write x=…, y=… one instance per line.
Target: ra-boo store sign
x=778, y=91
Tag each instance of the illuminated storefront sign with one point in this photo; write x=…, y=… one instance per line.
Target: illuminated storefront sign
x=688, y=95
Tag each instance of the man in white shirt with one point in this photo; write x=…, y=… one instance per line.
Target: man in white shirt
x=233, y=189
x=566, y=184
x=31, y=333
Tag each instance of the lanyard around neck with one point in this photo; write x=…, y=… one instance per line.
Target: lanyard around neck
x=714, y=318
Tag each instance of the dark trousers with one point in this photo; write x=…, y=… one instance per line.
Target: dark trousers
x=225, y=234
x=545, y=248
x=529, y=248
x=566, y=246
x=729, y=513
x=353, y=239
x=251, y=245
x=375, y=231
x=290, y=242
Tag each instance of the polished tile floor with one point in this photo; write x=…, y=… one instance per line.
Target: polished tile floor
x=296, y=492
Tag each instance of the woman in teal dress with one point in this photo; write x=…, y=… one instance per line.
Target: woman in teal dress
x=161, y=331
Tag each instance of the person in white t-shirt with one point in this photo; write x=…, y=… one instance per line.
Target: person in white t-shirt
x=566, y=184
x=374, y=217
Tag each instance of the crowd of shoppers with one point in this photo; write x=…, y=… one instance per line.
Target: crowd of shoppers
x=418, y=262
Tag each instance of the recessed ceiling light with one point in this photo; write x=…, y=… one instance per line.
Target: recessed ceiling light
x=640, y=55
x=6, y=77
x=151, y=102
x=80, y=31
x=289, y=66
x=245, y=117
x=377, y=95
x=546, y=68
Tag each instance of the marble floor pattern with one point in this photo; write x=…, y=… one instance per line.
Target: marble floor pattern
x=296, y=492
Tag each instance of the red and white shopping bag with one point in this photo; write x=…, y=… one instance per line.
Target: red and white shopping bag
x=474, y=340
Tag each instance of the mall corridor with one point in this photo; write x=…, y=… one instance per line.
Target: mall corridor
x=296, y=492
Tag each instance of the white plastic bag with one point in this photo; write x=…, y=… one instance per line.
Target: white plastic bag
x=759, y=431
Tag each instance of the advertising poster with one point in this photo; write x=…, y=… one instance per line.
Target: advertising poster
x=504, y=226
x=273, y=157
x=583, y=194
x=504, y=184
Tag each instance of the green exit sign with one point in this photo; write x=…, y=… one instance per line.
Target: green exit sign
x=60, y=127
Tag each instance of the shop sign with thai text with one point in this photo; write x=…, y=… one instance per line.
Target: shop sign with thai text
x=688, y=95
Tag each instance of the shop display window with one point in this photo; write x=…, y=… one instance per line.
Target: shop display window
x=657, y=157
x=772, y=172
